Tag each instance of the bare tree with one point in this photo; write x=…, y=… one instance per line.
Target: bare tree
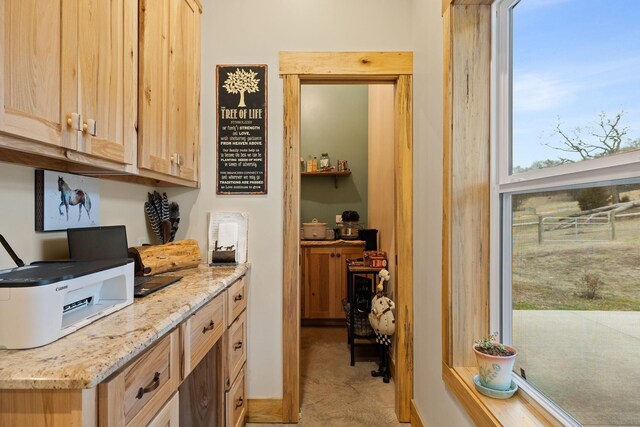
x=607, y=137
x=241, y=81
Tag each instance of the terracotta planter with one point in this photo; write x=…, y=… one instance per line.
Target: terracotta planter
x=495, y=371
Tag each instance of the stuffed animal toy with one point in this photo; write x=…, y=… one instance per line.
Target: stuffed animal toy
x=381, y=316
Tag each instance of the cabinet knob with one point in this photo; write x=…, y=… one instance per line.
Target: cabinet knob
x=209, y=327
x=177, y=159
x=339, y=255
x=150, y=387
x=239, y=402
x=73, y=121
x=333, y=255
x=89, y=127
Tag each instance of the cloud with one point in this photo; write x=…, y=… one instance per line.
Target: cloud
x=539, y=92
x=527, y=5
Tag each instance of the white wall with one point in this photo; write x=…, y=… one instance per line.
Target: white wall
x=121, y=203
x=433, y=400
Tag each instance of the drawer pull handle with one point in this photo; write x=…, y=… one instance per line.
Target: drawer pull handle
x=239, y=402
x=238, y=298
x=237, y=345
x=149, y=388
x=208, y=328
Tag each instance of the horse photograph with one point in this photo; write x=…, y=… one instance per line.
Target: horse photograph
x=71, y=197
x=57, y=193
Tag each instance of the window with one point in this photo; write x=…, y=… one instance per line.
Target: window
x=566, y=203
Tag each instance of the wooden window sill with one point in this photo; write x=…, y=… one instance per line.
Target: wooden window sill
x=486, y=411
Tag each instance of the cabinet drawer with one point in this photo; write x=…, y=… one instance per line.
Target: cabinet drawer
x=169, y=415
x=133, y=396
x=201, y=331
x=236, y=404
x=236, y=349
x=237, y=300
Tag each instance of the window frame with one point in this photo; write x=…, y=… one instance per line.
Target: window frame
x=587, y=173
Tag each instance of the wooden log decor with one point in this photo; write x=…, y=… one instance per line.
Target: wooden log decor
x=154, y=259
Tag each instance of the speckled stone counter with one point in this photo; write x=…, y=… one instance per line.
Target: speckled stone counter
x=88, y=356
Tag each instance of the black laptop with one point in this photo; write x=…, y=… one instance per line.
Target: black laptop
x=110, y=242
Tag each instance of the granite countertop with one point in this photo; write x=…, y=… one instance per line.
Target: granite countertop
x=338, y=242
x=86, y=357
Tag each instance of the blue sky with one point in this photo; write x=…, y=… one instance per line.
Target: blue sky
x=572, y=60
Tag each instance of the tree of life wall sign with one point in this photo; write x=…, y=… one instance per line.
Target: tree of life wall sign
x=242, y=129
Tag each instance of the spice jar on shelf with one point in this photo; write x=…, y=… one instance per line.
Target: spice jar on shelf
x=324, y=161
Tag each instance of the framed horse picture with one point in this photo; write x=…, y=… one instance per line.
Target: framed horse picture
x=65, y=200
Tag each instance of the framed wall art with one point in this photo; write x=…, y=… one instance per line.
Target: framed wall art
x=241, y=118
x=64, y=200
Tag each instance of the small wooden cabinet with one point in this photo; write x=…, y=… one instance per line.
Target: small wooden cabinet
x=200, y=332
x=236, y=355
x=169, y=89
x=136, y=394
x=69, y=76
x=324, y=278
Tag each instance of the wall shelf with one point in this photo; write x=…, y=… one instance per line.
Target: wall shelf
x=334, y=174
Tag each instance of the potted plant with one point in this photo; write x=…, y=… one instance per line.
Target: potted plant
x=495, y=362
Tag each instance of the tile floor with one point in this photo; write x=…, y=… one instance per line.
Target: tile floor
x=335, y=394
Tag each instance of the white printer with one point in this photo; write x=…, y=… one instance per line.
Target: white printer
x=42, y=302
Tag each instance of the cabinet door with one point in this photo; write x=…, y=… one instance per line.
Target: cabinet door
x=169, y=107
x=107, y=67
x=184, y=88
x=342, y=255
x=320, y=273
x=153, y=106
x=38, y=89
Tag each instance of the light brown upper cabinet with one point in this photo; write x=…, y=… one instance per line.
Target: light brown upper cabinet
x=69, y=75
x=169, y=89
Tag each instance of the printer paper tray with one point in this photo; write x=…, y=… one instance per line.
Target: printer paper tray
x=86, y=312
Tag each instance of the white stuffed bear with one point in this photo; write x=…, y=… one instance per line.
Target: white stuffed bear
x=381, y=316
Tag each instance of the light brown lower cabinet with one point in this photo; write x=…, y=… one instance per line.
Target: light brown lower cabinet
x=202, y=392
x=236, y=409
x=235, y=344
x=136, y=394
x=324, y=279
x=194, y=376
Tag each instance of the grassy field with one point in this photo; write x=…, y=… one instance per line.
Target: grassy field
x=549, y=275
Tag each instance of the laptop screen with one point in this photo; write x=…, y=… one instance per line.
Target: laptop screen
x=92, y=243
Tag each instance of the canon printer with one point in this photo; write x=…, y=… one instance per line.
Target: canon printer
x=42, y=302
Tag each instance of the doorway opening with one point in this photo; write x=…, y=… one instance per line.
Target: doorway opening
x=388, y=68
x=346, y=208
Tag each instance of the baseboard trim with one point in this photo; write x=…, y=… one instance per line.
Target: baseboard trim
x=416, y=419
x=264, y=411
